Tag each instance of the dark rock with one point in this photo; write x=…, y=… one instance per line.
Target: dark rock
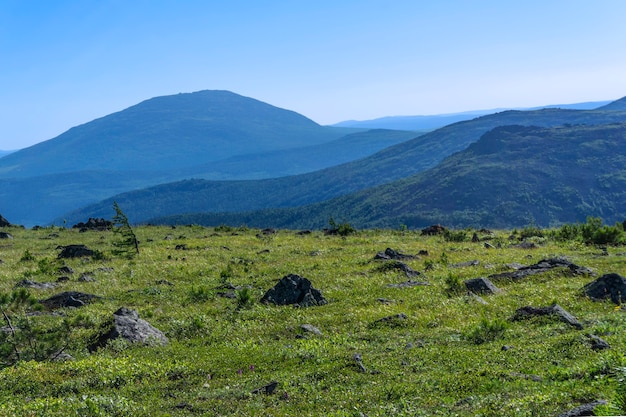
x=74, y=251
x=5, y=235
x=128, y=326
x=392, y=319
x=475, y=238
x=294, y=289
x=611, y=286
x=583, y=410
x=481, y=286
x=598, y=343
x=63, y=278
x=100, y=225
x=27, y=283
x=489, y=246
x=433, y=230
x=68, y=299
x=66, y=270
x=266, y=389
x=407, y=284
x=465, y=264
x=303, y=232
x=392, y=254
x=163, y=282
x=422, y=252
x=541, y=267
x=268, y=231
x=182, y=246
x=555, y=309
x=4, y=222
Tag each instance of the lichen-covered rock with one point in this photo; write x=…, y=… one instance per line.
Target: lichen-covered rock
x=75, y=251
x=481, y=286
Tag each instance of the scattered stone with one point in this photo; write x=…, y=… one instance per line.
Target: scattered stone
x=598, y=343
x=433, y=230
x=65, y=270
x=358, y=359
x=311, y=329
x=182, y=246
x=163, y=282
x=261, y=252
x=392, y=254
x=554, y=309
x=607, y=286
x=475, y=238
x=27, y=283
x=5, y=235
x=303, y=232
x=266, y=389
x=4, y=222
x=506, y=347
x=99, y=225
x=384, y=300
x=68, y=299
x=74, y=251
x=422, y=252
x=294, y=289
x=543, y=266
x=474, y=297
x=489, y=246
x=128, y=326
x=465, y=264
x=63, y=278
x=514, y=265
x=392, y=319
x=106, y=270
x=86, y=278
x=407, y=284
x=268, y=231
x=481, y=286
x=583, y=410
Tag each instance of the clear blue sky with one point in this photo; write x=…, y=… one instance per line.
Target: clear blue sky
x=66, y=62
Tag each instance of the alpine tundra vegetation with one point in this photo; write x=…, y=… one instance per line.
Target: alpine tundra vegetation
x=398, y=333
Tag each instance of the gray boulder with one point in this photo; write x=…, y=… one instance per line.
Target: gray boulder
x=481, y=286
x=294, y=289
x=128, y=326
x=5, y=235
x=554, y=309
x=611, y=286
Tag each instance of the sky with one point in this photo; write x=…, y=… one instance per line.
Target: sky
x=67, y=62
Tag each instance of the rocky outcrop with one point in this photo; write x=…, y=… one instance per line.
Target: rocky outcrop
x=393, y=254
x=99, y=225
x=554, y=309
x=74, y=251
x=294, y=289
x=542, y=266
x=5, y=235
x=68, y=299
x=611, y=286
x=433, y=230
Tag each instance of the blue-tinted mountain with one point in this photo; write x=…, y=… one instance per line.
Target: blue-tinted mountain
x=393, y=163
x=426, y=123
x=514, y=176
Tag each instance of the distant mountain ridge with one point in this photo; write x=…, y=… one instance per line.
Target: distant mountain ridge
x=4, y=153
x=170, y=132
x=208, y=134
x=429, y=122
x=514, y=176
x=390, y=164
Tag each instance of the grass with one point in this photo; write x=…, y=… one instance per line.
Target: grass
x=445, y=358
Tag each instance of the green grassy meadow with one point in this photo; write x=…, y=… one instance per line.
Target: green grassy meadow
x=446, y=358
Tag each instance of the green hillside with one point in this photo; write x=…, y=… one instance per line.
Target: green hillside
x=513, y=176
x=393, y=163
